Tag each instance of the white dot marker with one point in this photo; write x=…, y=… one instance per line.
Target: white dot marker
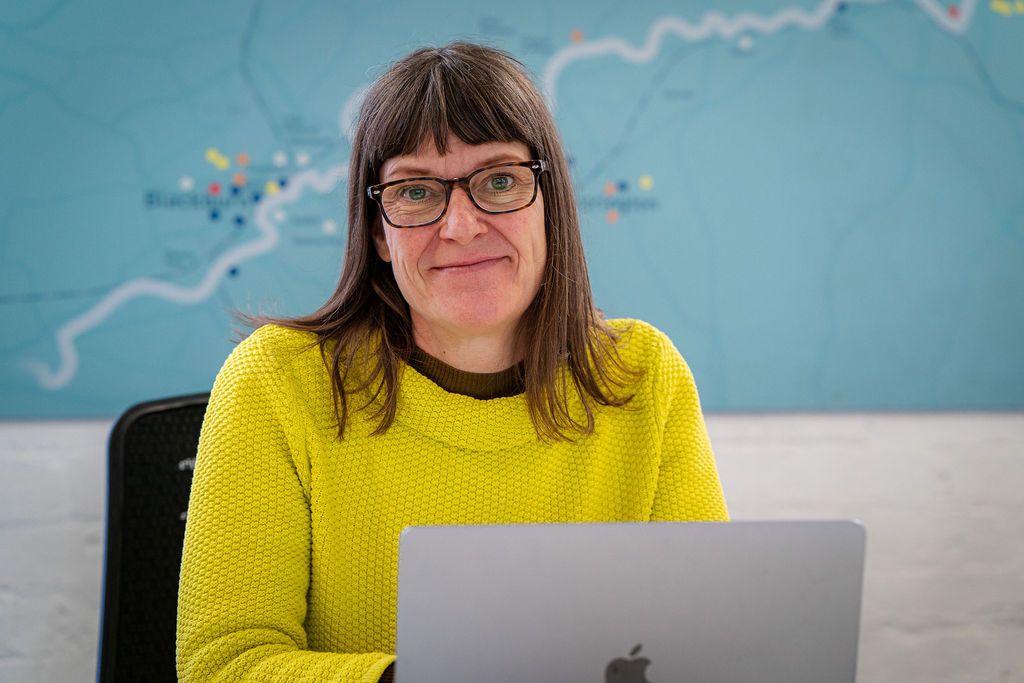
x=280, y=216
x=745, y=43
x=302, y=159
x=280, y=158
x=330, y=227
x=186, y=183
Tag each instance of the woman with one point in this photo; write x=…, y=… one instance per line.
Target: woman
x=460, y=374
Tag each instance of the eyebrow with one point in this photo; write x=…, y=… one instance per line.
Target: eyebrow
x=412, y=171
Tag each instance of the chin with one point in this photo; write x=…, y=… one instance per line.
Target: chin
x=482, y=314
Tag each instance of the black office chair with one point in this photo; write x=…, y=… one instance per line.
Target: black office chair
x=151, y=457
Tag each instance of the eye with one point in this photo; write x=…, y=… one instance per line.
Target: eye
x=500, y=182
x=414, y=193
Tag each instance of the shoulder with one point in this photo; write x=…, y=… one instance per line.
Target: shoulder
x=275, y=344
x=664, y=376
x=642, y=344
x=274, y=351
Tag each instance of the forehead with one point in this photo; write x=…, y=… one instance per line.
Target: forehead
x=461, y=159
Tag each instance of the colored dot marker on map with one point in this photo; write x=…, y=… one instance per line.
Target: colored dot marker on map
x=214, y=188
x=623, y=186
x=235, y=191
x=282, y=183
x=218, y=160
x=1020, y=6
x=610, y=188
x=233, y=272
x=576, y=36
x=280, y=158
x=329, y=227
x=186, y=183
x=214, y=215
x=256, y=196
x=238, y=179
x=302, y=159
x=1002, y=7
x=239, y=220
x=243, y=159
x=954, y=11
x=646, y=182
x=745, y=43
x=271, y=187
x=612, y=216
x=841, y=7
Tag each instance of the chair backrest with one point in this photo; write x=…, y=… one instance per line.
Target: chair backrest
x=151, y=457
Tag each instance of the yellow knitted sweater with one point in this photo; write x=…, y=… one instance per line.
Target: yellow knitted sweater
x=290, y=561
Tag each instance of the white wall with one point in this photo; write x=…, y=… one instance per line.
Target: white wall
x=941, y=496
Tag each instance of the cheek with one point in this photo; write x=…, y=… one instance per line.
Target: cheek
x=407, y=250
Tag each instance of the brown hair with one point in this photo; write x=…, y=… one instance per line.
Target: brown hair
x=480, y=95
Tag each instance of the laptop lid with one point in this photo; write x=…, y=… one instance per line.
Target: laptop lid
x=630, y=603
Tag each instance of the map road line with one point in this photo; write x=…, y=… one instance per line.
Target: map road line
x=68, y=365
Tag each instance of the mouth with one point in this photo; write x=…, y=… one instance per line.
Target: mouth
x=470, y=266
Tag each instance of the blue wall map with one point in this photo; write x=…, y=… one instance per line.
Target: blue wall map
x=822, y=203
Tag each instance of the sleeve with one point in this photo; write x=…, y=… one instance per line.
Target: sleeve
x=246, y=558
x=688, y=486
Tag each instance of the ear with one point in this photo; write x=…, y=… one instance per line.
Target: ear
x=380, y=241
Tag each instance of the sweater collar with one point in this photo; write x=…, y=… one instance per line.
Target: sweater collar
x=479, y=385
x=461, y=421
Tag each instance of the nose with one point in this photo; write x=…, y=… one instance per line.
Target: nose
x=461, y=222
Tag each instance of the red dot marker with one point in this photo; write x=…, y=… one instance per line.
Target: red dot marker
x=954, y=11
x=214, y=188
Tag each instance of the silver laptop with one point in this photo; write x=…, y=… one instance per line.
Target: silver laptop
x=630, y=603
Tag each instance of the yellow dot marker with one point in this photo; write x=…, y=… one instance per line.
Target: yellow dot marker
x=612, y=216
x=271, y=187
x=1002, y=7
x=1020, y=6
x=218, y=160
x=646, y=182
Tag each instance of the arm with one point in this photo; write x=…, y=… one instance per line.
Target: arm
x=246, y=560
x=688, y=486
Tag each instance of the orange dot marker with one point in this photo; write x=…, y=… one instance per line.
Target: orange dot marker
x=954, y=11
x=612, y=216
x=610, y=188
x=238, y=179
x=242, y=159
x=576, y=36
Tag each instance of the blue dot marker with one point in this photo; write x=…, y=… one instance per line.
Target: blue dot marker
x=623, y=186
x=235, y=190
x=282, y=182
x=233, y=272
x=256, y=196
x=214, y=214
x=239, y=220
x=841, y=7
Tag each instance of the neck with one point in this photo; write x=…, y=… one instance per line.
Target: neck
x=490, y=351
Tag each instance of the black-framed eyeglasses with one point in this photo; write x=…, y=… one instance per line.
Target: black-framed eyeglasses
x=416, y=202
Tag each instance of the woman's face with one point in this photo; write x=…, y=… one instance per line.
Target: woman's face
x=471, y=273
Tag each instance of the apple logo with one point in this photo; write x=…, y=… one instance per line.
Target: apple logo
x=627, y=670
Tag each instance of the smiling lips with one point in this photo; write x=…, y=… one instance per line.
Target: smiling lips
x=470, y=265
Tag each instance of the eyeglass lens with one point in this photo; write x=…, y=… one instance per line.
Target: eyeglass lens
x=501, y=189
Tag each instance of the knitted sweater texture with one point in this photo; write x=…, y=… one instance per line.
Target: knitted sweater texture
x=290, y=562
